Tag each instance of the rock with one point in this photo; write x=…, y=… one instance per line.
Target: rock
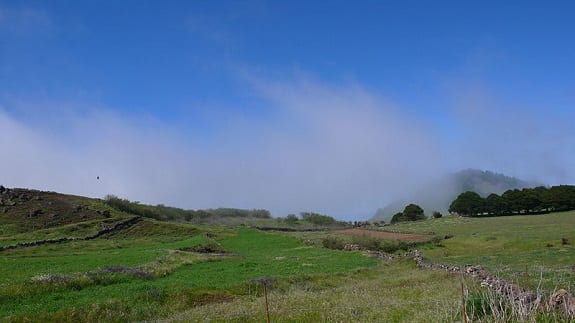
x=351, y=247
x=562, y=300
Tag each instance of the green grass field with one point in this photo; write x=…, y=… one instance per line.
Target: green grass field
x=151, y=271
x=252, y=255
x=534, y=250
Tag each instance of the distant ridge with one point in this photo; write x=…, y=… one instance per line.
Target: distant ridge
x=438, y=194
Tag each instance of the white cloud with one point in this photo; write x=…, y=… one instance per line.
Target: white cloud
x=336, y=149
x=516, y=138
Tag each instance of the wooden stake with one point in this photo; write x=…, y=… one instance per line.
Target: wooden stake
x=463, y=312
x=266, y=297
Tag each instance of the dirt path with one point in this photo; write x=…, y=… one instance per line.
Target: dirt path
x=384, y=235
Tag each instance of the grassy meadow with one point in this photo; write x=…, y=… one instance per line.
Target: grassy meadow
x=167, y=271
x=537, y=251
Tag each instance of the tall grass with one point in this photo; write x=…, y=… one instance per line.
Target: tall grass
x=390, y=292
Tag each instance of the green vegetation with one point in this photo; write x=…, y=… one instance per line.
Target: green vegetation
x=151, y=269
x=162, y=212
x=536, y=200
x=439, y=193
x=317, y=219
x=52, y=282
x=411, y=212
x=530, y=250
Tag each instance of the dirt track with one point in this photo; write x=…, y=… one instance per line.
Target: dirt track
x=384, y=235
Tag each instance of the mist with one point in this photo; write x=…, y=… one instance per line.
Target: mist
x=338, y=149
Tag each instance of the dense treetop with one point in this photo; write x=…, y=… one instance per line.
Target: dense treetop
x=525, y=201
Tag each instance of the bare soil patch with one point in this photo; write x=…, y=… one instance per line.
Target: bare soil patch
x=384, y=235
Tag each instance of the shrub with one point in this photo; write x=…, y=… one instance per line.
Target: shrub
x=437, y=214
x=211, y=247
x=333, y=243
x=366, y=242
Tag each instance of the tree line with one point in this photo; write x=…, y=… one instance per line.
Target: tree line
x=536, y=200
x=162, y=212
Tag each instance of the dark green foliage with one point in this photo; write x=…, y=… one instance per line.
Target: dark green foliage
x=468, y=204
x=437, y=214
x=291, y=218
x=398, y=217
x=561, y=198
x=411, y=212
x=167, y=213
x=317, y=219
x=495, y=205
x=127, y=206
x=240, y=213
x=525, y=201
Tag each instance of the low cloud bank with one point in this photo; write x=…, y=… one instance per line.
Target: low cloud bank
x=335, y=149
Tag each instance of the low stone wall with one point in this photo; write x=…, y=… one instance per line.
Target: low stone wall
x=528, y=301
x=106, y=231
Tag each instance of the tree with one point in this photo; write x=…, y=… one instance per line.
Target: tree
x=561, y=198
x=291, y=218
x=317, y=219
x=413, y=212
x=467, y=204
x=398, y=217
x=514, y=201
x=495, y=205
x=436, y=214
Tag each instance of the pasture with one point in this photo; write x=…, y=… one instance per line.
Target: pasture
x=165, y=271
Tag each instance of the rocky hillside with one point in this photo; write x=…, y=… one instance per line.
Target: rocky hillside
x=438, y=194
x=24, y=210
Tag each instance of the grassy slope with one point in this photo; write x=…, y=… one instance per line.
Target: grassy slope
x=390, y=292
x=307, y=280
x=29, y=215
x=526, y=249
x=262, y=254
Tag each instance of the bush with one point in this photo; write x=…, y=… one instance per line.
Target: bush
x=333, y=243
x=437, y=214
x=367, y=243
x=317, y=219
x=291, y=218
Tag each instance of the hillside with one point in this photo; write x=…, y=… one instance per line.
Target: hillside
x=86, y=261
x=438, y=194
x=25, y=210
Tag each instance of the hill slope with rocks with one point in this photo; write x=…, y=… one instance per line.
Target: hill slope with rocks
x=25, y=210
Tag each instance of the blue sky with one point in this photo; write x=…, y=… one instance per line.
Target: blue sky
x=330, y=106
